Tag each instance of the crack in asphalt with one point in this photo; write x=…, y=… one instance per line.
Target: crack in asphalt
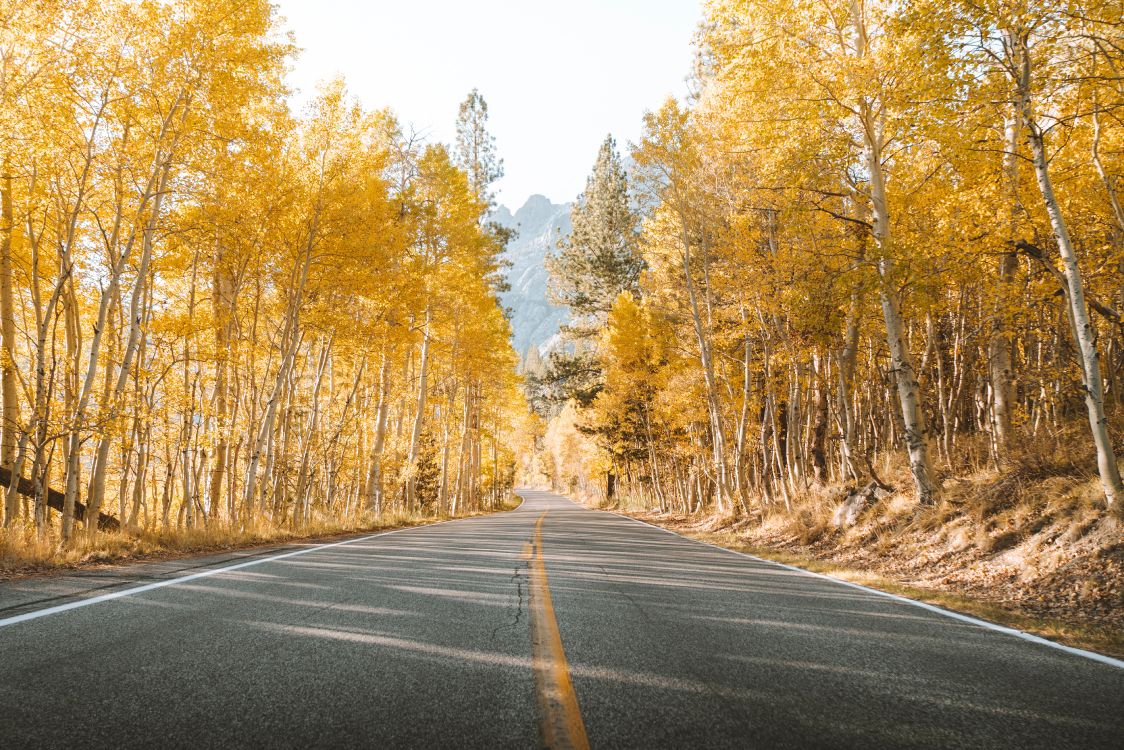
x=620, y=589
x=517, y=576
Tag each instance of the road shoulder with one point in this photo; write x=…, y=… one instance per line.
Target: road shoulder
x=143, y=555
x=1102, y=641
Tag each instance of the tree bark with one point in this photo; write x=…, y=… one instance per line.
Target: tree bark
x=847, y=358
x=56, y=500
x=718, y=437
x=8, y=385
x=374, y=476
x=137, y=316
x=1083, y=330
x=290, y=343
x=909, y=390
x=999, y=345
x=819, y=422
x=222, y=303
x=419, y=415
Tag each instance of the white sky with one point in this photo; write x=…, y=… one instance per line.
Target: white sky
x=558, y=76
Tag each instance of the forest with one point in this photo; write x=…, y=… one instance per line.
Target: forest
x=855, y=305
x=220, y=315
x=874, y=259
x=815, y=441
x=882, y=245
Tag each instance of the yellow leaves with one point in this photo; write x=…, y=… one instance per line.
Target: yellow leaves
x=178, y=324
x=635, y=340
x=574, y=456
x=667, y=154
x=448, y=215
x=231, y=276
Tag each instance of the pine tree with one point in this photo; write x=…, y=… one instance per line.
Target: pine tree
x=600, y=259
x=536, y=383
x=475, y=154
x=533, y=364
x=476, y=148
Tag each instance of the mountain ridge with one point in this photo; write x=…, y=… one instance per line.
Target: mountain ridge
x=539, y=225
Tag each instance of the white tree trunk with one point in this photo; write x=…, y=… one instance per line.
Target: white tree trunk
x=909, y=390
x=1000, y=369
x=714, y=409
x=137, y=315
x=374, y=476
x=290, y=342
x=10, y=415
x=1075, y=289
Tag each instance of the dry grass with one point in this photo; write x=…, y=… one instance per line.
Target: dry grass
x=23, y=553
x=1030, y=545
x=1105, y=639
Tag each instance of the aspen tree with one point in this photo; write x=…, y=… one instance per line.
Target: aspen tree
x=1018, y=43
x=671, y=157
x=1035, y=53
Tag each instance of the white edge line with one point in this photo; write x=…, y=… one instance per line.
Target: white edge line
x=36, y=614
x=1092, y=655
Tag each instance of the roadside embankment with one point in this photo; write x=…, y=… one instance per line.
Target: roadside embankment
x=22, y=554
x=1034, y=551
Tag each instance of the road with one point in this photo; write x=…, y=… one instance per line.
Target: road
x=551, y=621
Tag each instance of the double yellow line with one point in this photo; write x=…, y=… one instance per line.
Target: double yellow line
x=562, y=726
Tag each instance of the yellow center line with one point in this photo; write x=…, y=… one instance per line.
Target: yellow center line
x=562, y=726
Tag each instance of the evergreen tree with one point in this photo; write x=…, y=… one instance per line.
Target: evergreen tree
x=533, y=364
x=428, y=478
x=598, y=262
x=476, y=147
x=600, y=259
x=536, y=382
x=475, y=154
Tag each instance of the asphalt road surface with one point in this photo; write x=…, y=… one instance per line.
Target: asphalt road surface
x=452, y=636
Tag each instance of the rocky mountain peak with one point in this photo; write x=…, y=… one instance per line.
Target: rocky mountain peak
x=539, y=225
